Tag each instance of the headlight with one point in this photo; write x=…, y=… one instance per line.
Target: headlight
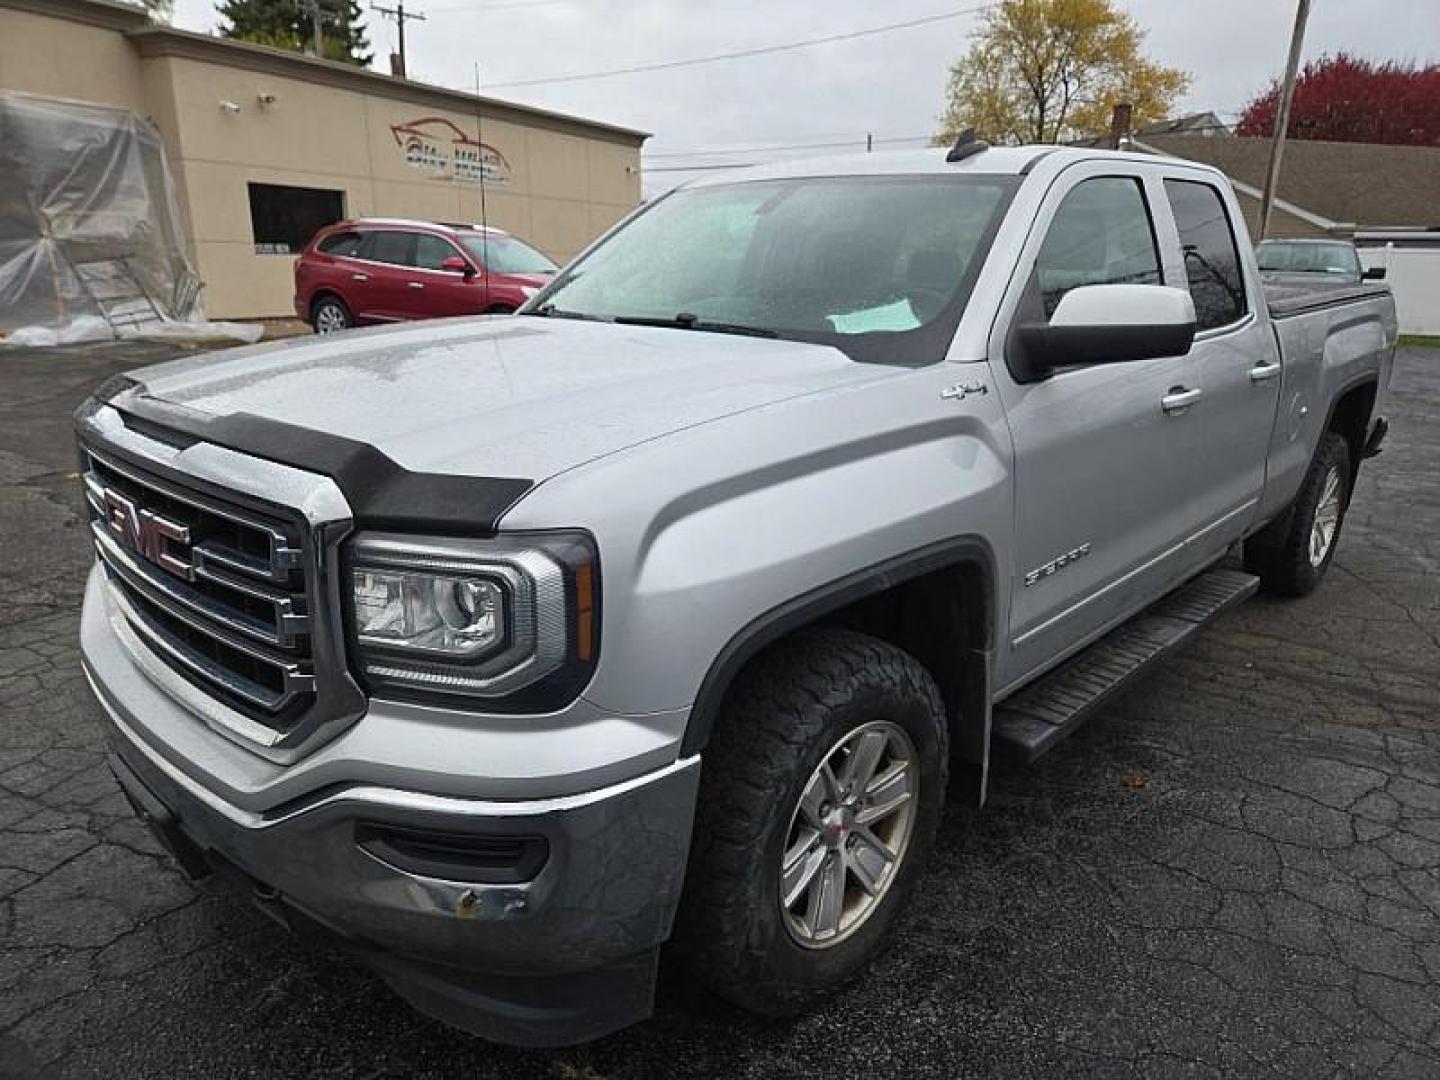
x=437, y=613
x=529, y=290
x=512, y=620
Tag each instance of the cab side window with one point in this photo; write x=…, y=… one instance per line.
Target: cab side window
x=341, y=243
x=390, y=247
x=1100, y=235
x=1212, y=258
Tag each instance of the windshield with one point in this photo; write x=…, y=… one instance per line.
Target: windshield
x=1308, y=258
x=879, y=266
x=506, y=255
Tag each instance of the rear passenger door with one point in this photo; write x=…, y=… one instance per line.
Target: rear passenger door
x=382, y=281
x=1102, y=470
x=1236, y=361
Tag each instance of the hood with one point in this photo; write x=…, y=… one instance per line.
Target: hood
x=506, y=396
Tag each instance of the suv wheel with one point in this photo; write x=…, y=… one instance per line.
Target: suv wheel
x=330, y=314
x=1292, y=554
x=820, y=794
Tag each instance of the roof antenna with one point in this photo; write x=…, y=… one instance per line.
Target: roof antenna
x=484, y=220
x=966, y=145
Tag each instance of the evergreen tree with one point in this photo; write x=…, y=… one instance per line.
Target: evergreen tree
x=286, y=24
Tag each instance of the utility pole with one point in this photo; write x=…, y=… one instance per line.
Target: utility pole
x=1282, y=117
x=400, y=15
x=316, y=17
x=1120, y=125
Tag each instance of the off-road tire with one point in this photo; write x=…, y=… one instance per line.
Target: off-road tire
x=1280, y=553
x=785, y=713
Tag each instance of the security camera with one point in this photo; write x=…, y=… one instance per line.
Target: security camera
x=229, y=107
x=266, y=98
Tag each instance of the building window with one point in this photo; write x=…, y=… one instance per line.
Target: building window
x=285, y=218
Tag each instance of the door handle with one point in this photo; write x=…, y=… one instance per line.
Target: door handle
x=359, y=277
x=1179, y=399
x=416, y=284
x=1264, y=372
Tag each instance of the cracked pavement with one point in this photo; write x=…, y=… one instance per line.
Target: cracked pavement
x=1233, y=870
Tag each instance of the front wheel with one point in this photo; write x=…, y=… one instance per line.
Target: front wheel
x=820, y=796
x=1291, y=555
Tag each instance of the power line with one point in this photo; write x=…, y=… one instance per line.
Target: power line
x=764, y=50
x=483, y=8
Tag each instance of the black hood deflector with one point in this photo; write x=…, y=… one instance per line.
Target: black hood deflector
x=381, y=494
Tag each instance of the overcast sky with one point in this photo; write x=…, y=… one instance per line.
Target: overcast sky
x=890, y=85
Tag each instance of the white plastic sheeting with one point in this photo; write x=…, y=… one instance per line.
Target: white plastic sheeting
x=91, y=240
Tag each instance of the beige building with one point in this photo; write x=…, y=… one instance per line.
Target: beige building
x=265, y=146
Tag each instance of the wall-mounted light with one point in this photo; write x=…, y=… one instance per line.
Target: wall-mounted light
x=265, y=98
x=229, y=107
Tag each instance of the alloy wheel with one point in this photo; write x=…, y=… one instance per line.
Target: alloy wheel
x=1327, y=518
x=848, y=834
x=330, y=318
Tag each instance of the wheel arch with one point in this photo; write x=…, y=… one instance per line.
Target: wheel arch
x=1351, y=411
x=328, y=292
x=938, y=603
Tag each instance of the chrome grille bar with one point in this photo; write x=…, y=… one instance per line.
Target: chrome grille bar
x=177, y=653
x=223, y=576
x=169, y=593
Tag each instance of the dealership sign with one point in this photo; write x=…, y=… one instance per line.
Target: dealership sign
x=436, y=146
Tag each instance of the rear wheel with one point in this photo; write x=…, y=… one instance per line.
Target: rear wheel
x=1291, y=555
x=330, y=314
x=820, y=795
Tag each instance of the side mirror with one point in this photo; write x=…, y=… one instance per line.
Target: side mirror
x=457, y=265
x=1373, y=273
x=1105, y=324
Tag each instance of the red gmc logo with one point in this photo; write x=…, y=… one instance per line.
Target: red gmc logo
x=147, y=534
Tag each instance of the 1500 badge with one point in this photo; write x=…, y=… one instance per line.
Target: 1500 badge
x=1057, y=563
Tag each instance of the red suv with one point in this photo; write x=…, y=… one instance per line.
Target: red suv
x=373, y=270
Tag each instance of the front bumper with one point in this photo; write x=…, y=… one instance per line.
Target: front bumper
x=565, y=956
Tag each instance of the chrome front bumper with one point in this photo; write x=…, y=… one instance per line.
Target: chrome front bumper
x=562, y=957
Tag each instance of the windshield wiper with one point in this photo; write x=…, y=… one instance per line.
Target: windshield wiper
x=550, y=311
x=686, y=321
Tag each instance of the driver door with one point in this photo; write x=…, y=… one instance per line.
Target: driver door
x=1102, y=462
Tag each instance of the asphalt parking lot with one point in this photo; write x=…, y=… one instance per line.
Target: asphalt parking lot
x=1233, y=871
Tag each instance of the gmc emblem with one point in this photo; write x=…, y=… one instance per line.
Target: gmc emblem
x=147, y=534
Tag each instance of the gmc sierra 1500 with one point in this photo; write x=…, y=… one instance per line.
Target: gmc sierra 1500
x=502, y=647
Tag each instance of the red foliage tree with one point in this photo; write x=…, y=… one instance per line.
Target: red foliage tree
x=1347, y=99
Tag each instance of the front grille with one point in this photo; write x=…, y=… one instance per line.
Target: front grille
x=217, y=591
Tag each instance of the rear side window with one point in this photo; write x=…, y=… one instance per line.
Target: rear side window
x=391, y=247
x=1100, y=235
x=340, y=243
x=1212, y=258
x=431, y=251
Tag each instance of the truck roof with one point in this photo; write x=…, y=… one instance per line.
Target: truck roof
x=1002, y=160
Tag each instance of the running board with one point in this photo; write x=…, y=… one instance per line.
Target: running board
x=1035, y=719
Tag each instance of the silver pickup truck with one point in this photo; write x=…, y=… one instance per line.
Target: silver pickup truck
x=507, y=650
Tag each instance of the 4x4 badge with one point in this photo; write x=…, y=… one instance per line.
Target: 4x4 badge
x=960, y=391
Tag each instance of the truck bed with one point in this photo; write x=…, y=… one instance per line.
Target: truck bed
x=1293, y=298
